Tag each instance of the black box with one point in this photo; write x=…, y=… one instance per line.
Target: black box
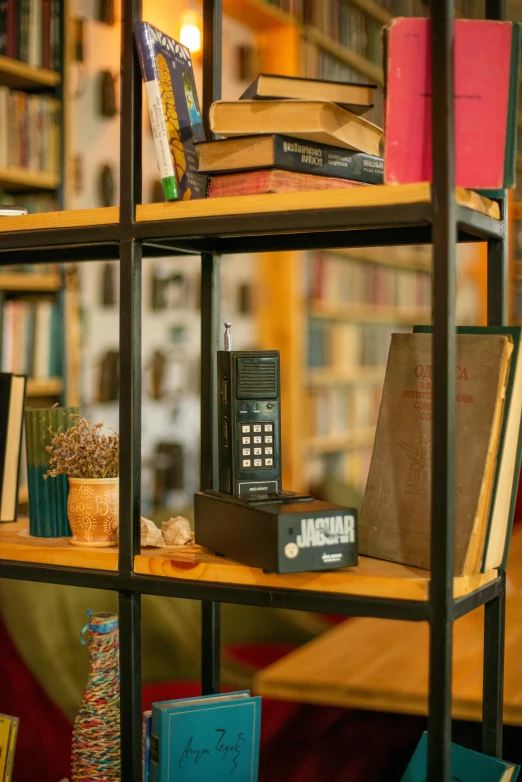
x=278, y=537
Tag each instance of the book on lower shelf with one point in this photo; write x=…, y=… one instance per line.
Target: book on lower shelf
x=31, y=342
x=8, y=736
x=12, y=403
x=210, y=738
x=466, y=765
x=395, y=518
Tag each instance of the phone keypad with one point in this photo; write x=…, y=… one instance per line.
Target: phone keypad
x=261, y=436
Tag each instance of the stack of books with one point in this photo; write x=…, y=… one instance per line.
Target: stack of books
x=287, y=134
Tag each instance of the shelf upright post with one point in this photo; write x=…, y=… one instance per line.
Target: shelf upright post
x=444, y=234
x=130, y=395
x=210, y=332
x=495, y=610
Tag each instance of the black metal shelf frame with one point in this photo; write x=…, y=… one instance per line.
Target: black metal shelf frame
x=442, y=223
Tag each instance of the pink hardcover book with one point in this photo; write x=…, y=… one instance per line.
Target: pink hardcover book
x=260, y=181
x=484, y=94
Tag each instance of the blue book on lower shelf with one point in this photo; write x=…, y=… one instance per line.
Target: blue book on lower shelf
x=466, y=766
x=208, y=739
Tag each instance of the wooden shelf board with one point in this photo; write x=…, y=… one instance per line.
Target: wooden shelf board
x=328, y=443
x=329, y=376
x=258, y=14
x=15, y=547
x=26, y=179
x=74, y=218
x=376, y=195
x=29, y=282
x=371, y=578
x=361, y=64
x=52, y=386
x=20, y=75
x=365, y=197
x=387, y=667
x=369, y=313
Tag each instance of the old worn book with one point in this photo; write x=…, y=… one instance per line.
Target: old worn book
x=259, y=181
x=312, y=120
x=244, y=153
x=396, y=514
x=503, y=499
x=357, y=98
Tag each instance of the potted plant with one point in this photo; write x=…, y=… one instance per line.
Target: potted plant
x=90, y=460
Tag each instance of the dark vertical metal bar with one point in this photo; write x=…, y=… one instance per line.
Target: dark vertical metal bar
x=212, y=47
x=210, y=342
x=495, y=9
x=493, y=689
x=130, y=115
x=444, y=357
x=210, y=334
x=495, y=611
x=210, y=297
x=130, y=393
x=130, y=685
x=210, y=647
x=130, y=403
x=498, y=251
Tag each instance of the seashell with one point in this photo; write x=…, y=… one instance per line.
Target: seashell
x=150, y=534
x=177, y=532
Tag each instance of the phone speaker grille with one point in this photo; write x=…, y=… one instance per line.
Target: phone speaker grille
x=258, y=378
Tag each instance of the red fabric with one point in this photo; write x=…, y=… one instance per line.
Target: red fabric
x=44, y=736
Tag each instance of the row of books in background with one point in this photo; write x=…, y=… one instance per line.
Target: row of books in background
x=345, y=346
x=288, y=134
x=29, y=131
x=341, y=279
x=30, y=31
x=339, y=410
x=314, y=11
x=30, y=338
x=33, y=202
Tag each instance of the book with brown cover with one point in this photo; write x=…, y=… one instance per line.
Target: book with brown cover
x=355, y=97
x=312, y=120
x=262, y=181
x=395, y=517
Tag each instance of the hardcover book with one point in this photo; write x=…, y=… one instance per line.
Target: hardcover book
x=487, y=56
x=312, y=120
x=357, y=98
x=503, y=500
x=396, y=512
x=272, y=181
x=284, y=152
x=208, y=739
x=175, y=117
x=8, y=735
x=12, y=403
x=466, y=765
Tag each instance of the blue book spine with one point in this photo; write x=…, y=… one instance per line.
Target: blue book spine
x=147, y=720
x=175, y=117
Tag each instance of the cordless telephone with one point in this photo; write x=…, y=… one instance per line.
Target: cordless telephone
x=250, y=518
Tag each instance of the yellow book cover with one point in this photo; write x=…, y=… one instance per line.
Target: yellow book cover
x=8, y=732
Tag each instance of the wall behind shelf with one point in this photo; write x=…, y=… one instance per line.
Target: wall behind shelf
x=96, y=140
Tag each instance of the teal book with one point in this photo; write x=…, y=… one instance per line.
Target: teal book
x=466, y=765
x=208, y=739
x=505, y=487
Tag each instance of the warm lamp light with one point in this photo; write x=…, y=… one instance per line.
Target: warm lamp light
x=190, y=31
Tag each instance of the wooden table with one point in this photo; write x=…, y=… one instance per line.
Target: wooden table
x=382, y=665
